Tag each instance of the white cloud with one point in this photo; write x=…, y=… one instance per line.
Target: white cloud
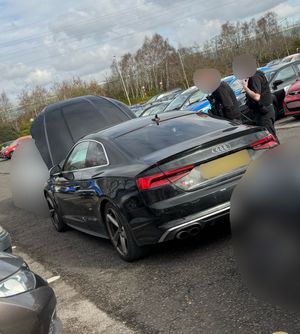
x=39, y=77
x=58, y=39
x=285, y=10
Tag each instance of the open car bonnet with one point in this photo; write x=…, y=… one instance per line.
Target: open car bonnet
x=59, y=126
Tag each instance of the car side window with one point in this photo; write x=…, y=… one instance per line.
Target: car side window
x=286, y=74
x=298, y=68
x=77, y=158
x=96, y=155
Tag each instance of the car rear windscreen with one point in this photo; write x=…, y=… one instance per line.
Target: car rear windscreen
x=152, y=138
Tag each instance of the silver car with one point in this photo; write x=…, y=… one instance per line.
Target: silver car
x=27, y=303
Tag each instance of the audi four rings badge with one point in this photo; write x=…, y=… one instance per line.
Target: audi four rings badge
x=221, y=148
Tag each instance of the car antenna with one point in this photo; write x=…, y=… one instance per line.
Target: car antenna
x=156, y=119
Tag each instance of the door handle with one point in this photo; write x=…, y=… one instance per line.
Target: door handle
x=86, y=193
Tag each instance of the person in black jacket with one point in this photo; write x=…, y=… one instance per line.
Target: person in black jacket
x=259, y=100
x=222, y=99
x=224, y=103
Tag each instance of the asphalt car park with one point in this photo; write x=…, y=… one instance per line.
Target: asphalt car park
x=188, y=286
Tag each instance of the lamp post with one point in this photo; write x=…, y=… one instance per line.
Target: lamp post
x=122, y=80
x=285, y=42
x=183, y=69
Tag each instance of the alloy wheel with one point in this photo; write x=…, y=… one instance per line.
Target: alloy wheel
x=117, y=232
x=53, y=214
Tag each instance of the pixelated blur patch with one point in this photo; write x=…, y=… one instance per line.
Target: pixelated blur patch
x=207, y=80
x=265, y=212
x=28, y=177
x=244, y=66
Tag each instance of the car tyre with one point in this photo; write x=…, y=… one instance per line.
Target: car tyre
x=121, y=236
x=56, y=219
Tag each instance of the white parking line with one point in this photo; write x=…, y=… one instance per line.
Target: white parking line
x=53, y=279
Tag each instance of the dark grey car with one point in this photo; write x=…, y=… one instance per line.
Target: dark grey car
x=27, y=303
x=5, y=241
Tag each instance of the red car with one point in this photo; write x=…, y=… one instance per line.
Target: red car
x=8, y=151
x=291, y=102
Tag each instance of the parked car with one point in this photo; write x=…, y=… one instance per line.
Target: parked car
x=291, y=58
x=150, y=180
x=163, y=97
x=27, y=303
x=3, y=146
x=5, y=241
x=169, y=95
x=6, y=144
x=8, y=151
x=187, y=99
x=280, y=78
x=292, y=100
x=156, y=108
x=60, y=125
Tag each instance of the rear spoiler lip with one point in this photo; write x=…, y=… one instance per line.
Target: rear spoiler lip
x=154, y=162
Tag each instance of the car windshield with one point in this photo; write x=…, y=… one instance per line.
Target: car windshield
x=169, y=132
x=179, y=101
x=153, y=99
x=154, y=109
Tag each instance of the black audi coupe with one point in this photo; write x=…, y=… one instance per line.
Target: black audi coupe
x=152, y=179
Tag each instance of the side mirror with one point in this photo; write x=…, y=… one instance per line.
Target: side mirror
x=55, y=170
x=276, y=83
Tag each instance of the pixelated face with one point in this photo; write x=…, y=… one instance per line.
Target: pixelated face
x=28, y=177
x=265, y=226
x=207, y=80
x=244, y=66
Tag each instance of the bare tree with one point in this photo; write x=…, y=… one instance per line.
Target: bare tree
x=5, y=108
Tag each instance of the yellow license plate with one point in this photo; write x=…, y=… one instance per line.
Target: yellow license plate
x=225, y=165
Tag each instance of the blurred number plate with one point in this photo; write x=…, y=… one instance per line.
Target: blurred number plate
x=225, y=164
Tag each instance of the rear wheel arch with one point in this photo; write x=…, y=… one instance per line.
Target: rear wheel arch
x=102, y=207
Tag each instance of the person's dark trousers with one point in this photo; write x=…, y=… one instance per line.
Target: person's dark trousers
x=267, y=120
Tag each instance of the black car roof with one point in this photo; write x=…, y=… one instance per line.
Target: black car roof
x=135, y=124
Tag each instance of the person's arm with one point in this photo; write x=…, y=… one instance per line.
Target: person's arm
x=253, y=94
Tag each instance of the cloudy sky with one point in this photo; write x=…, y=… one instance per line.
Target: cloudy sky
x=44, y=41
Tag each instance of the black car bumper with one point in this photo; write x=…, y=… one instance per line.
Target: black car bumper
x=5, y=241
x=172, y=229
x=191, y=212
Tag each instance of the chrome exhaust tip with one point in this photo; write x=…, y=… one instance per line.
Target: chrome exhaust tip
x=194, y=231
x=182, y=235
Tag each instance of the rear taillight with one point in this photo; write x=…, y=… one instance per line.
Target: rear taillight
x=161, y=179
x=264, y=143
